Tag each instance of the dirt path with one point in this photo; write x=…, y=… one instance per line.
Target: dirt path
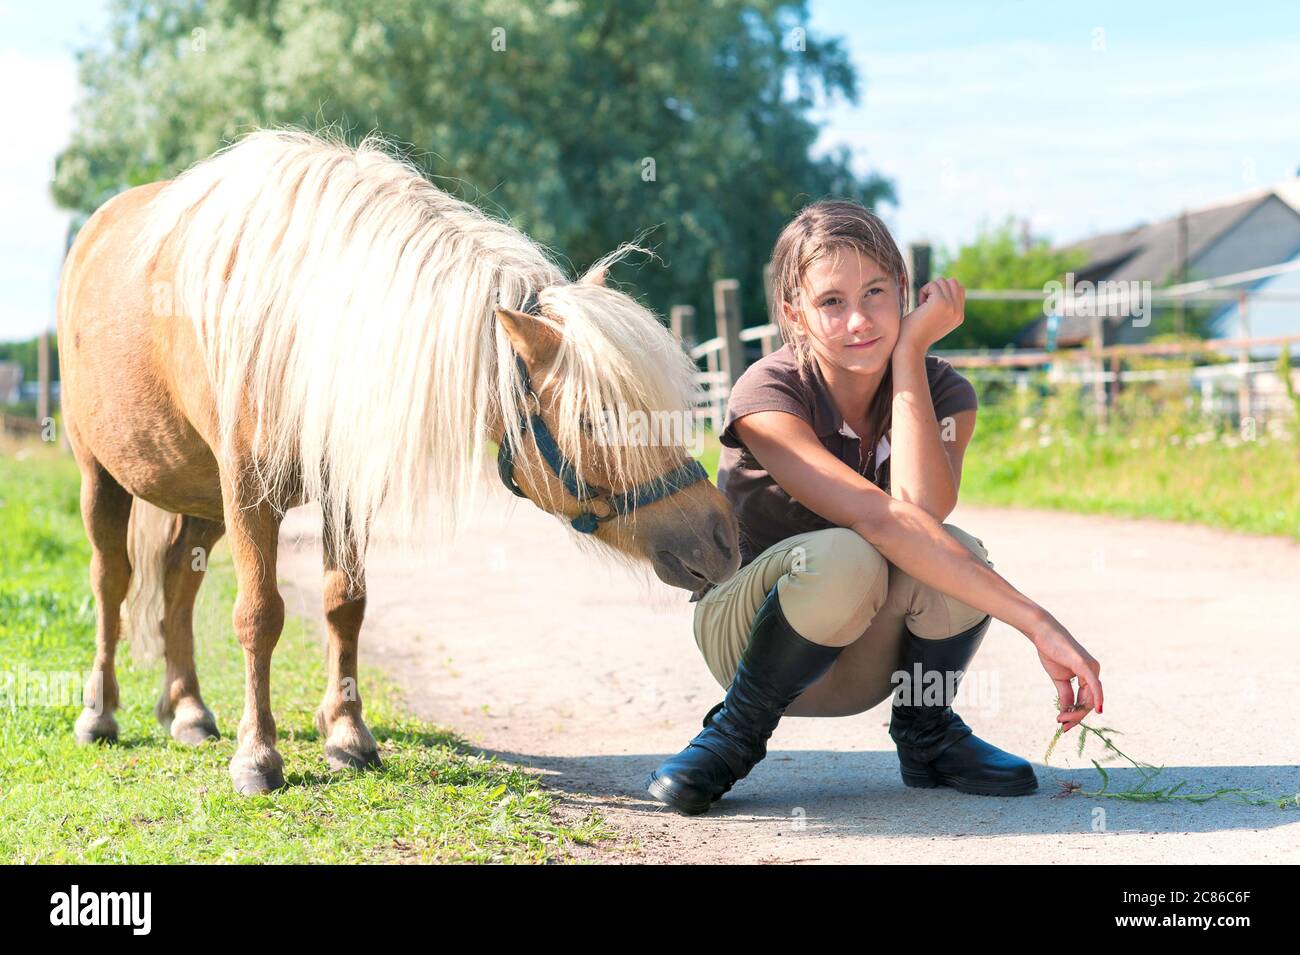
x=549, y=660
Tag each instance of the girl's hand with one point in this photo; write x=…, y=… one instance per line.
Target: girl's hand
x=1064, y=659
x=941, y=308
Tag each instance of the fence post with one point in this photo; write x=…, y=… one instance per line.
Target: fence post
x=767, y=287
x=43, y=378
x=767, y=342
x=715, y=392
x=1243, y=361
x=726, y=304
x=918, y=269
x=1098, y=366
x=682, y=320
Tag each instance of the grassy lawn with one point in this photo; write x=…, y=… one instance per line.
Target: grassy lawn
x=150, y=800
x=1163, y=465
x=1248, y=486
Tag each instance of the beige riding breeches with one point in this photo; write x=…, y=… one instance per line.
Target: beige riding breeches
x=835, y=588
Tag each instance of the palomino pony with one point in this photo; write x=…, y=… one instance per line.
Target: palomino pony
x=292, y=320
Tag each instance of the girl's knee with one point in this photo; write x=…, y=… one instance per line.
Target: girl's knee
x=933, y=613
x=841, y=559
x=970, y=542
x=836, y=582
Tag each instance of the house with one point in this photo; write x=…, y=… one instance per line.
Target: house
x=1247, y=232
x=1272, y=314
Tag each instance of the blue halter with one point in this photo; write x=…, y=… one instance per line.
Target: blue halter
x=610, y=505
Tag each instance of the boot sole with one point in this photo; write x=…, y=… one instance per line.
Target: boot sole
x=675, y=798
x=927, y=781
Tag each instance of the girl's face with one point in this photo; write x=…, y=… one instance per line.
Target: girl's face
x=849, y=310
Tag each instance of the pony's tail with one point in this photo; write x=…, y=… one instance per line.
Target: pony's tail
x=147, y=538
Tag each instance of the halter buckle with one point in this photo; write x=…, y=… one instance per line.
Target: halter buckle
x=611, y=511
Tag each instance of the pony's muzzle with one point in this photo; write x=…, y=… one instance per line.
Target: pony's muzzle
x=689, y=558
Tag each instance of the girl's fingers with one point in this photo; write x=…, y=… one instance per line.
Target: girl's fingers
x=1092, y=689
x=1064, y=695
x=1071, y=709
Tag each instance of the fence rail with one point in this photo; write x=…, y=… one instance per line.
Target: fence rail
x=1252, y=389
x=17, y=425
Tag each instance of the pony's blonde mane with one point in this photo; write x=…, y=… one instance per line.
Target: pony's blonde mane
x=348, y=304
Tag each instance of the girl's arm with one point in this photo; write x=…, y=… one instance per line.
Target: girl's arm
x=788, y=449
x=926, y=468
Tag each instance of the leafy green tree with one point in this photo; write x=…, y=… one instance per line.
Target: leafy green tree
x=583, y=122
x=27, y=354
x=998, y=259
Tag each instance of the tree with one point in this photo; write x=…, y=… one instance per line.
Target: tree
x=584, y=123
x=27, y=354
x=997, y=259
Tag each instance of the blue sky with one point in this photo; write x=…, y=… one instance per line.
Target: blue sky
x=1078, y=117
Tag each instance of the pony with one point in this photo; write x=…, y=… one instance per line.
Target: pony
x=295, y=320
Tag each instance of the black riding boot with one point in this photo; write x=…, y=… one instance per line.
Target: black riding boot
x=935, y=747
x=777, y=666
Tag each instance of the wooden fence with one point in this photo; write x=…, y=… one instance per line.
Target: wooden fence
x=19, y=426
x=724, y=354
x=1244, y=388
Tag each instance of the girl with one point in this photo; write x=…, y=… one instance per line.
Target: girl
x=842, y=455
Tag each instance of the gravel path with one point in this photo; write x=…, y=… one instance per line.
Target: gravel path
x=551, y=660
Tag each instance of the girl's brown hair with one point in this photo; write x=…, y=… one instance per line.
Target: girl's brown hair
x=820, y=229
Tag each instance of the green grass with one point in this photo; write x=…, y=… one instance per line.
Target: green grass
x=1172, y=468
x=710, y=452
x=150, y=800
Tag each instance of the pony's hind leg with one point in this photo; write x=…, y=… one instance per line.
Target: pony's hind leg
x=253, y=532
x=106, y=512
x=348, y=742
x=180, y=708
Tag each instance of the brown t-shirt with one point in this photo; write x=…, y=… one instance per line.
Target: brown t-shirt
x=767, y=514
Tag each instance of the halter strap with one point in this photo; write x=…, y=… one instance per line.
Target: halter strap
x=682, y=476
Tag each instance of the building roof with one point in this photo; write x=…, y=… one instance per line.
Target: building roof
x=1149, y=252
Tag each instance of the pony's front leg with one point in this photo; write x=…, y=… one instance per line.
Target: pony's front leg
x=253, y=533
x=106, y=511
x=348, y=742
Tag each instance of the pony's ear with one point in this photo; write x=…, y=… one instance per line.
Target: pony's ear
x=534, y=340
x=596, y=276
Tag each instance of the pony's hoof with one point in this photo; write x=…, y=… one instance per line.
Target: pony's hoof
x=339, y=758
x=254, y=784
x=194, y=731
x=92, y=727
